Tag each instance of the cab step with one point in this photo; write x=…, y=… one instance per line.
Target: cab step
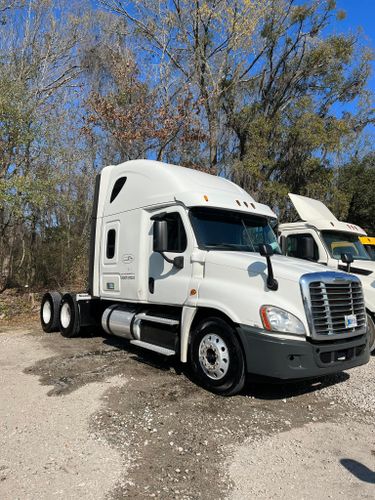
x=158, y=319
x=152, y=347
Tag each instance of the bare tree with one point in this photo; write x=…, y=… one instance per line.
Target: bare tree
x=201, y=47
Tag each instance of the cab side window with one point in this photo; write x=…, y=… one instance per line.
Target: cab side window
x=295, y=245
x=111, y=244
x=177, y=240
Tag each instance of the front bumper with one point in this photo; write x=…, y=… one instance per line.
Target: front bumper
x=293, y=359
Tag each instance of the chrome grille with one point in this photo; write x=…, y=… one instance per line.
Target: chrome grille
x=329, y=298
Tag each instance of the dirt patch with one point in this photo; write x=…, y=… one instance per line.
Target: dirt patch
x=180, y=436
x=173, y=434
x=68, y=373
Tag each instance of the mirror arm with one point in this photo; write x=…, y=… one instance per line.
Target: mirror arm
x=176, y=261
x=266, y=251
x=272, y=283
x=348, y=260
x=166, y=258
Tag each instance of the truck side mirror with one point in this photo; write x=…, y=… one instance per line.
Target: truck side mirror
x=347, y=259
x=160, y=243
x=307, y=248
x=267, y=251
x=282, y=242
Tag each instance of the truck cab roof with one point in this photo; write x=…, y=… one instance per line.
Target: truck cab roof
x=314, y=213
x=147, y=183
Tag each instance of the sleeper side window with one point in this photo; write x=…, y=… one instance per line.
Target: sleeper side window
x=111, y=243
x=294, y=246
x=177, y=240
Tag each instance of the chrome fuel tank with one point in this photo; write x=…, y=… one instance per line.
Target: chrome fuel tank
x=117, y=320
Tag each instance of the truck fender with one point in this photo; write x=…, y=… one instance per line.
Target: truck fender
x=188, y=314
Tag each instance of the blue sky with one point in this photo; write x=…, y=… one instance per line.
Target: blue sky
x=359, y=14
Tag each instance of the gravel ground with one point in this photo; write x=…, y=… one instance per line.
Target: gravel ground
x=95, y=418
x=313, y=462
x=47, y=450
x=359, y=391
x=319, y=460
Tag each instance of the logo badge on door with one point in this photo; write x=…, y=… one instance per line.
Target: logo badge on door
x=128, y=258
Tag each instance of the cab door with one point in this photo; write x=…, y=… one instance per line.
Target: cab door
x=109, y=268
x=295, y=244
x=169, y=284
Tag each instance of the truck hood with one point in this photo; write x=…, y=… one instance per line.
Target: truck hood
x=235, y=283
x=288, y=268
x=367, y=277
x=310, y=209
x=364, y=265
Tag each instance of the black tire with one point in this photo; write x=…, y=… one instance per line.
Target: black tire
x=69, y=320
x=216, y=357
x=371, y=330
x=49, y=311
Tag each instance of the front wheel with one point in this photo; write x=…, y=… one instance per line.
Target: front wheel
x=216, y=357
x=371, y=330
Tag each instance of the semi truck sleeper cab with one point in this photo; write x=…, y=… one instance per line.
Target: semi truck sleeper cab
x=185, y=263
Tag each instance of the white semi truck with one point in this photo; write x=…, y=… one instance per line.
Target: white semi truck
x=320, y=237
x=185, y=263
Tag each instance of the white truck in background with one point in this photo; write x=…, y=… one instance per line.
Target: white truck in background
x=319, y=237
x=185, y=263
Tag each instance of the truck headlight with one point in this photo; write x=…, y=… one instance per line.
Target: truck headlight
x=275, y=319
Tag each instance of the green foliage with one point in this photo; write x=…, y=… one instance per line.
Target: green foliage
x=289, y=134
x=250, y=88
x=357, y=182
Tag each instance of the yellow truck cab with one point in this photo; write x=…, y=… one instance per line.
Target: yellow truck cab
x=369, y=244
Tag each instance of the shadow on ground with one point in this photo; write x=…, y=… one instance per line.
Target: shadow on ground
x=360, y=471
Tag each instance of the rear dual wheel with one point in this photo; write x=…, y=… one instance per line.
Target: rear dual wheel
x=216, y=357
x=60, y=312
x=49, y=311
x=69, y=320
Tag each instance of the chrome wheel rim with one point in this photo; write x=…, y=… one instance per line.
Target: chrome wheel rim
x=214, y=356
x=46, y=312
x=65, y=315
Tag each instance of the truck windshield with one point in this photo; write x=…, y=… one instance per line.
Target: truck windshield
x=370, y=249
x=339, y=243
x=226, y=230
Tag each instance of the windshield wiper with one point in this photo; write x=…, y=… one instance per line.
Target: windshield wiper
x=248, y=234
